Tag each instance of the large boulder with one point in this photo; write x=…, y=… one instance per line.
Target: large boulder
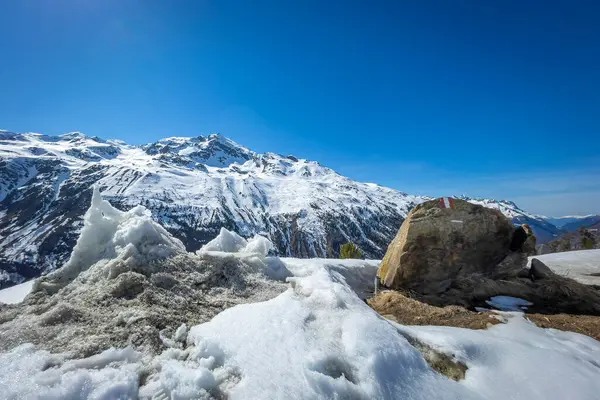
x=444, y=239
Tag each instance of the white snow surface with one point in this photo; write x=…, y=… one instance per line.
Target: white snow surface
x=15, y=294
x=25, y=374
x=518, y=360
x=581, y=265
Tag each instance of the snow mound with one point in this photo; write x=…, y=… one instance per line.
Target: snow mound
x=118, y=240
x=129, y=282
x=319, y=340
x=230, y=242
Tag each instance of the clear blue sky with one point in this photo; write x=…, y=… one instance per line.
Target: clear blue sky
x=485, y=98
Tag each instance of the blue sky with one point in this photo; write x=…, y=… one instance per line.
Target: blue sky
x=485, y=98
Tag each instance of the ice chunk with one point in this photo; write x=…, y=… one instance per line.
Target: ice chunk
x=259, y=245
x=230, y=242
x=124, y=238
x=181, y=333
x=226, y=241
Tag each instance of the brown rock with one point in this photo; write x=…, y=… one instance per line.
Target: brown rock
x=437, y=244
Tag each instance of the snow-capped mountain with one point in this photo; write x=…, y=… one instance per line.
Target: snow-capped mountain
x=543, y=229
x=193, y=187
x=574, y=222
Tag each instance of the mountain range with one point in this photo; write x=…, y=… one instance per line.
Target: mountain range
x=193, y=187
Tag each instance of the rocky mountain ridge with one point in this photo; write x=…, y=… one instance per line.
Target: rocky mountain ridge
x=193, y=187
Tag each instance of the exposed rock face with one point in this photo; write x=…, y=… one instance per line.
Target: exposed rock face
x=436, y=245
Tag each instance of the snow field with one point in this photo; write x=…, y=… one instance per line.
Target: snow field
x=582, y=265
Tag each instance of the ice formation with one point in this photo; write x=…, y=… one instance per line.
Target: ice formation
x=230, y=242
x=120, y=241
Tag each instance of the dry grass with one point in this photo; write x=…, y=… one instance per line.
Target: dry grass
x=404, y=310
x=585, y=324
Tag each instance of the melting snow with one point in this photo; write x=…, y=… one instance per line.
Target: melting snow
x=120, y=239
x=316, y=340
x=508, y=303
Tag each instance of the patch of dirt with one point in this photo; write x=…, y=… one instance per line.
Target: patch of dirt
x=588, y=325
x=400, y=308
x=407, y=311
x=440, y=362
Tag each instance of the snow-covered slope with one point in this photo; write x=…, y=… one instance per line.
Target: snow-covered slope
x=582, y=265
x=544, y=230
x=193, y=187
x=313, y=337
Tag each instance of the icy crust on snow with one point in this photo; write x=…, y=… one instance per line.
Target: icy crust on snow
x=119, y=240
x=27, y=373
x=518, y=360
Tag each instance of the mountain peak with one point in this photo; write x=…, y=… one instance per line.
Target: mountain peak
x=215, y=150
x=73, y=135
